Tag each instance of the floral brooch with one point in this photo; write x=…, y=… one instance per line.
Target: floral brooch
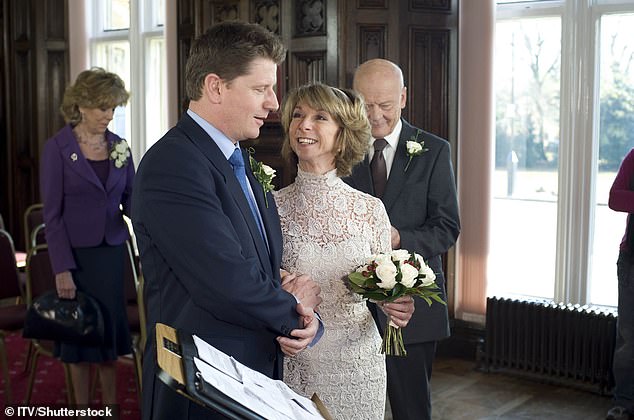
x=263, y=173
x=119, y=153
x=414, y=147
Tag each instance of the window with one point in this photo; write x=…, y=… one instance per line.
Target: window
x=127, y=38
x=564, y=83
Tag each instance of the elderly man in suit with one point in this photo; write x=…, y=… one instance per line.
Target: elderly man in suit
x=419, y=193
x=208, y=234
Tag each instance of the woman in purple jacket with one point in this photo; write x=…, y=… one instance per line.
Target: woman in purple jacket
x=86, y=179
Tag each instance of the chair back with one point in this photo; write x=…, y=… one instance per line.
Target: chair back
x=9, y=279
x=133, y=290
x=39, y=273
x=130, y=275
x=33, y=217
x=1, y=222
x=37, y=236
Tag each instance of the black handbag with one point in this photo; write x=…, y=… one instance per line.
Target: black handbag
x=78, y=321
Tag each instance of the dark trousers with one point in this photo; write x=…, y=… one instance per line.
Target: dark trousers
x=408, y=382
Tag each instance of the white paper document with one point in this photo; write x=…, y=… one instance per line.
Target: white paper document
x=269, y=398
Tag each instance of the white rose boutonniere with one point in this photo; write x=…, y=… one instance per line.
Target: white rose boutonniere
x=263, y=173
x=414, y=148
x=119, y=153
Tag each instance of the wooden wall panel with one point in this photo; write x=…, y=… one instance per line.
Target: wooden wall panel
x=429, y=84
x=35, y=72
x=430, y=5
x=305, y=67
x=372, y=40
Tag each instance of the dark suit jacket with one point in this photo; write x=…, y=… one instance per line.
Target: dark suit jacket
x=206, y=266
x=422, y=204
x=78, y=210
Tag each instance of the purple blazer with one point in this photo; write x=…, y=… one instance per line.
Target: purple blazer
x=78, y=210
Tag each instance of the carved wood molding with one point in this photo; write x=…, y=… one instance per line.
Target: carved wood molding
x=310, y=18
x=372, y=4
x=307, y=66
x=372, y=40
x=430, y=5
x=267, y=13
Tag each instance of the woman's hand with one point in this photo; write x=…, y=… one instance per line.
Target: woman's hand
x=399, y=311
x=65, y=285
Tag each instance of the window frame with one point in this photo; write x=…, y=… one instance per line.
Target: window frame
x=144, y=25
x=578, y=168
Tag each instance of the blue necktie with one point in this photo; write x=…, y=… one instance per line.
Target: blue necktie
x=237, y=162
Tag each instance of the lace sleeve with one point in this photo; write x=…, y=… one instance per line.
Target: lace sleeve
x=381, y=235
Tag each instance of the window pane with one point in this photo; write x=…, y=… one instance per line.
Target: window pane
x=115, y=57
x=156, y=97
x=159, y=12
x=616, y=125
x=117, y=15
x=524, y=204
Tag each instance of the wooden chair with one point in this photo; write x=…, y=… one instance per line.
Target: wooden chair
x=39, y=279
x=33, y=217
x=13, y=309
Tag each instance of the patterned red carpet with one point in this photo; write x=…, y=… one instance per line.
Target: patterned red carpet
x=50, y=387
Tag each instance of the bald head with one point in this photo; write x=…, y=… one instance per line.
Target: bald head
x=380, y=82
x=379, y=67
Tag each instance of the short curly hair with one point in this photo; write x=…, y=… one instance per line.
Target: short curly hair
x=94, y=88
x=347, y=108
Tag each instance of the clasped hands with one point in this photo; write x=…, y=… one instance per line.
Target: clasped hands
x=307, y=292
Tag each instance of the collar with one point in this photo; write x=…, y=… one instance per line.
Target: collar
x=225, y=145
x=392, y=138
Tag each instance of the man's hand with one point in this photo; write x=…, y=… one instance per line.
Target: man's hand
x=65, y=285
x=399, y=311
x=303, y=288
x=303, y=336
x=396, y=238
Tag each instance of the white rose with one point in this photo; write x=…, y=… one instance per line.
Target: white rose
x=381, y=259
x=113, y=155
x=387, y=274
x=400, y=255
x=409, y=274
x=121, y=147
x=118, y=163
x=268, y=170
x=430, y=276
x=413, y=147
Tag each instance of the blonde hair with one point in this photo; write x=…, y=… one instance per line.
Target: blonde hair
x=347, y=108
x=94, y=88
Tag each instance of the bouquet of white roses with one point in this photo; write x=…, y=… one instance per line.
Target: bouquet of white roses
x=388, y=276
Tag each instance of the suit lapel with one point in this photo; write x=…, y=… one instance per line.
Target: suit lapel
x=267, y=213
x=396, y=179
x=114, y=174
x=362, y=177
x=202, y=140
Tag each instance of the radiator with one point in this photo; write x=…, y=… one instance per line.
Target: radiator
x=569, y=344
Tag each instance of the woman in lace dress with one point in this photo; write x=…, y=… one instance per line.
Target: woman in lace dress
x=329, y=229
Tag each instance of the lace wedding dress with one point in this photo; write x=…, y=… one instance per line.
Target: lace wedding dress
x=329, y=229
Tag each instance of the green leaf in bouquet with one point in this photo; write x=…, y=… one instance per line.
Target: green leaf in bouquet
x=357, y=278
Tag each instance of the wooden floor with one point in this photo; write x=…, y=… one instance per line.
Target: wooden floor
x=459, y=391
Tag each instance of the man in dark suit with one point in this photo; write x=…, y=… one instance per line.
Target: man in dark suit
x=420, y=197
x=209, y=236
